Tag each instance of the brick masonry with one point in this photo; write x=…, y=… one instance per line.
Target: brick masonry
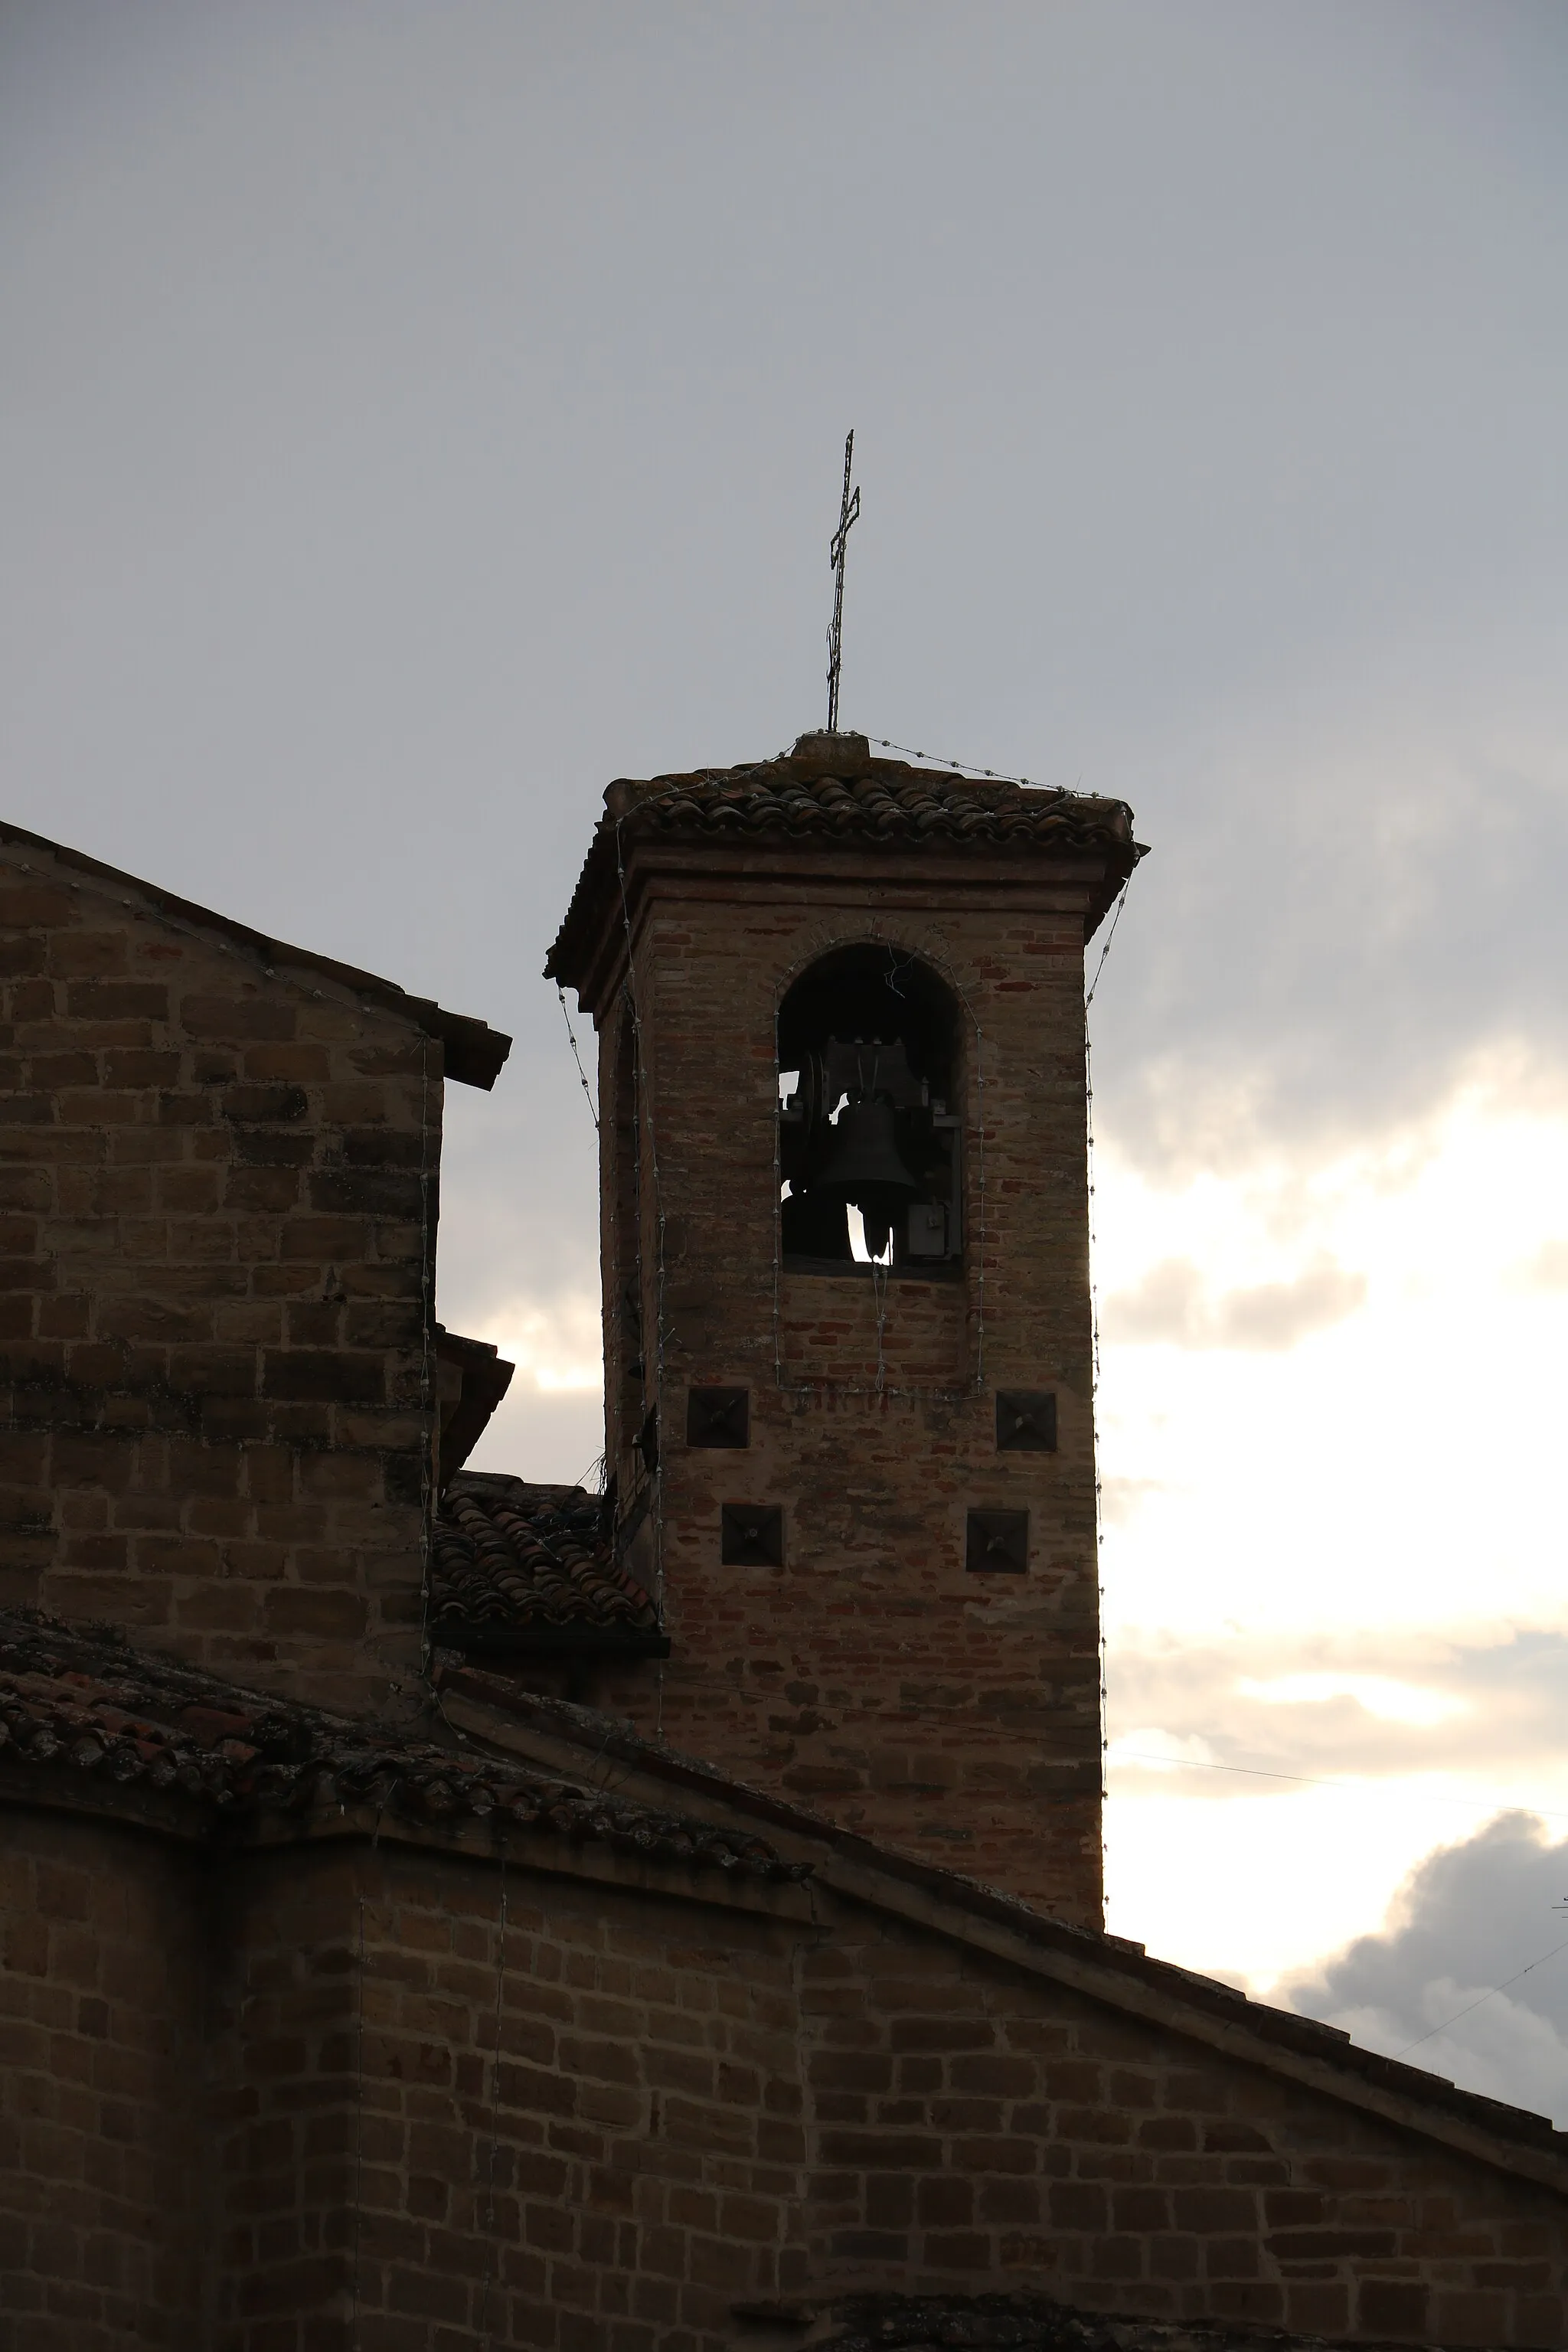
x=870, y=1672
x=219, y=1192
x=288, y=2103
x=101, y=2060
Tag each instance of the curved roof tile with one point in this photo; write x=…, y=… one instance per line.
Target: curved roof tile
x=82, y=1704
x=514, y=1562
x=881, y=803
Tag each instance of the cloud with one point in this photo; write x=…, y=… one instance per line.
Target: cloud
x=1469, y=1918
x=1159, y=1752
x=1334, y=947
x=1435, y=1720
x=1547, y=1270
x=1380, y=1695
x=1173, y=1304
x=1121, y=1499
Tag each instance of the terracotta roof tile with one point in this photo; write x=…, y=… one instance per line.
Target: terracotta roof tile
x=82, y=1705
x=521, y=1566
x=1025, y=2323
x=884, y=803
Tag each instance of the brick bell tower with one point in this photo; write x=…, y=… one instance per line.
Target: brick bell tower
x=845, y=1241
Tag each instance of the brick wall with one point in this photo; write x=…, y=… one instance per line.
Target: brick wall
x=217, y=1220
x=629, y=2172
x=956, y=1713
x=973, y=2128
x=100, y=2055
x=699, y=2106
x=705, y=2096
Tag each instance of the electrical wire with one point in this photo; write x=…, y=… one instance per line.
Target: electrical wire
x=1351, y=1787
x=1490, y=1994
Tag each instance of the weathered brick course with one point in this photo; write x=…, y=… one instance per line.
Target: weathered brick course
x=292, y=2088
x=956, y=1713
x=217, y=1181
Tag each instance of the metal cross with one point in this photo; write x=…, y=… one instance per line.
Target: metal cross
x=849, y=512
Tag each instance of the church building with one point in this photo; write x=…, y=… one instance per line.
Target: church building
x=439, y=1909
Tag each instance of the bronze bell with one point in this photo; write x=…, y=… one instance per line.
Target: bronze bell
x=863, y=1164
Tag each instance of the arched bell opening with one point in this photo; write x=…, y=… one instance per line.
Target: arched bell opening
x=869, y=1125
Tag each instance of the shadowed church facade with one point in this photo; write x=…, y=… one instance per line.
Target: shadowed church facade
x=437, y=1908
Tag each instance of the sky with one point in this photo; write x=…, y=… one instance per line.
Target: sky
x=415, y=417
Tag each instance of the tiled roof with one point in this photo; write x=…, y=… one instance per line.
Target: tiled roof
x=840, y=796
x=889, y=800
x=1027, y=2323
x=84, y=1707
x=515, y=1566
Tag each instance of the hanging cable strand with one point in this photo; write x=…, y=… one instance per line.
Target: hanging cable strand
x=430, y=1409
x=1489, y=1804
x=1094, y=1336
x=576, y=1056
x=1110, y=934
x=645, y=1123
x=967, y=767
x=1490, y=1994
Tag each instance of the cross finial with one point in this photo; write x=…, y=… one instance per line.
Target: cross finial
x=849, y=512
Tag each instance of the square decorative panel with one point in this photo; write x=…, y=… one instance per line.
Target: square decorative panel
x=1026, y=1421
x=718, y=1416
x=750, y=1535
x=997, y=1543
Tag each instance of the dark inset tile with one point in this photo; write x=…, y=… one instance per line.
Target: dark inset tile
x=997, y=1543
x=718, y=1417
x=1026, y=1421
x=750, y=1535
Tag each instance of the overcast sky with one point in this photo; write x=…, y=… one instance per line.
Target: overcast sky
x=415, y=416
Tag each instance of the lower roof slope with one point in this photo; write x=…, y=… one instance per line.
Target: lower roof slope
x=89, y=1723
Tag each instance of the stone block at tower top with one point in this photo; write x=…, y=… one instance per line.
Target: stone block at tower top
x=840, y=1001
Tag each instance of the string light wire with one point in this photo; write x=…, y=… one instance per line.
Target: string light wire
x=576, y=1056
x=966, y=767
x=428, y=1407
x=1094, y=1342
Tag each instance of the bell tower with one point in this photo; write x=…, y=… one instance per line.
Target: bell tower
x=848, y=1334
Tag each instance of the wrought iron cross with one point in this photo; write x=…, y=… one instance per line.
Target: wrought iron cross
x=849, y=512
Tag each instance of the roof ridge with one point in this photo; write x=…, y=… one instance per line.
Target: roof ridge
x=474, y=1052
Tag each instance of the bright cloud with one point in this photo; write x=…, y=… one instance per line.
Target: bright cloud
x=1396, y=1702
x=554, y=1346
x=1333, y=1545
x=1384, y=1449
